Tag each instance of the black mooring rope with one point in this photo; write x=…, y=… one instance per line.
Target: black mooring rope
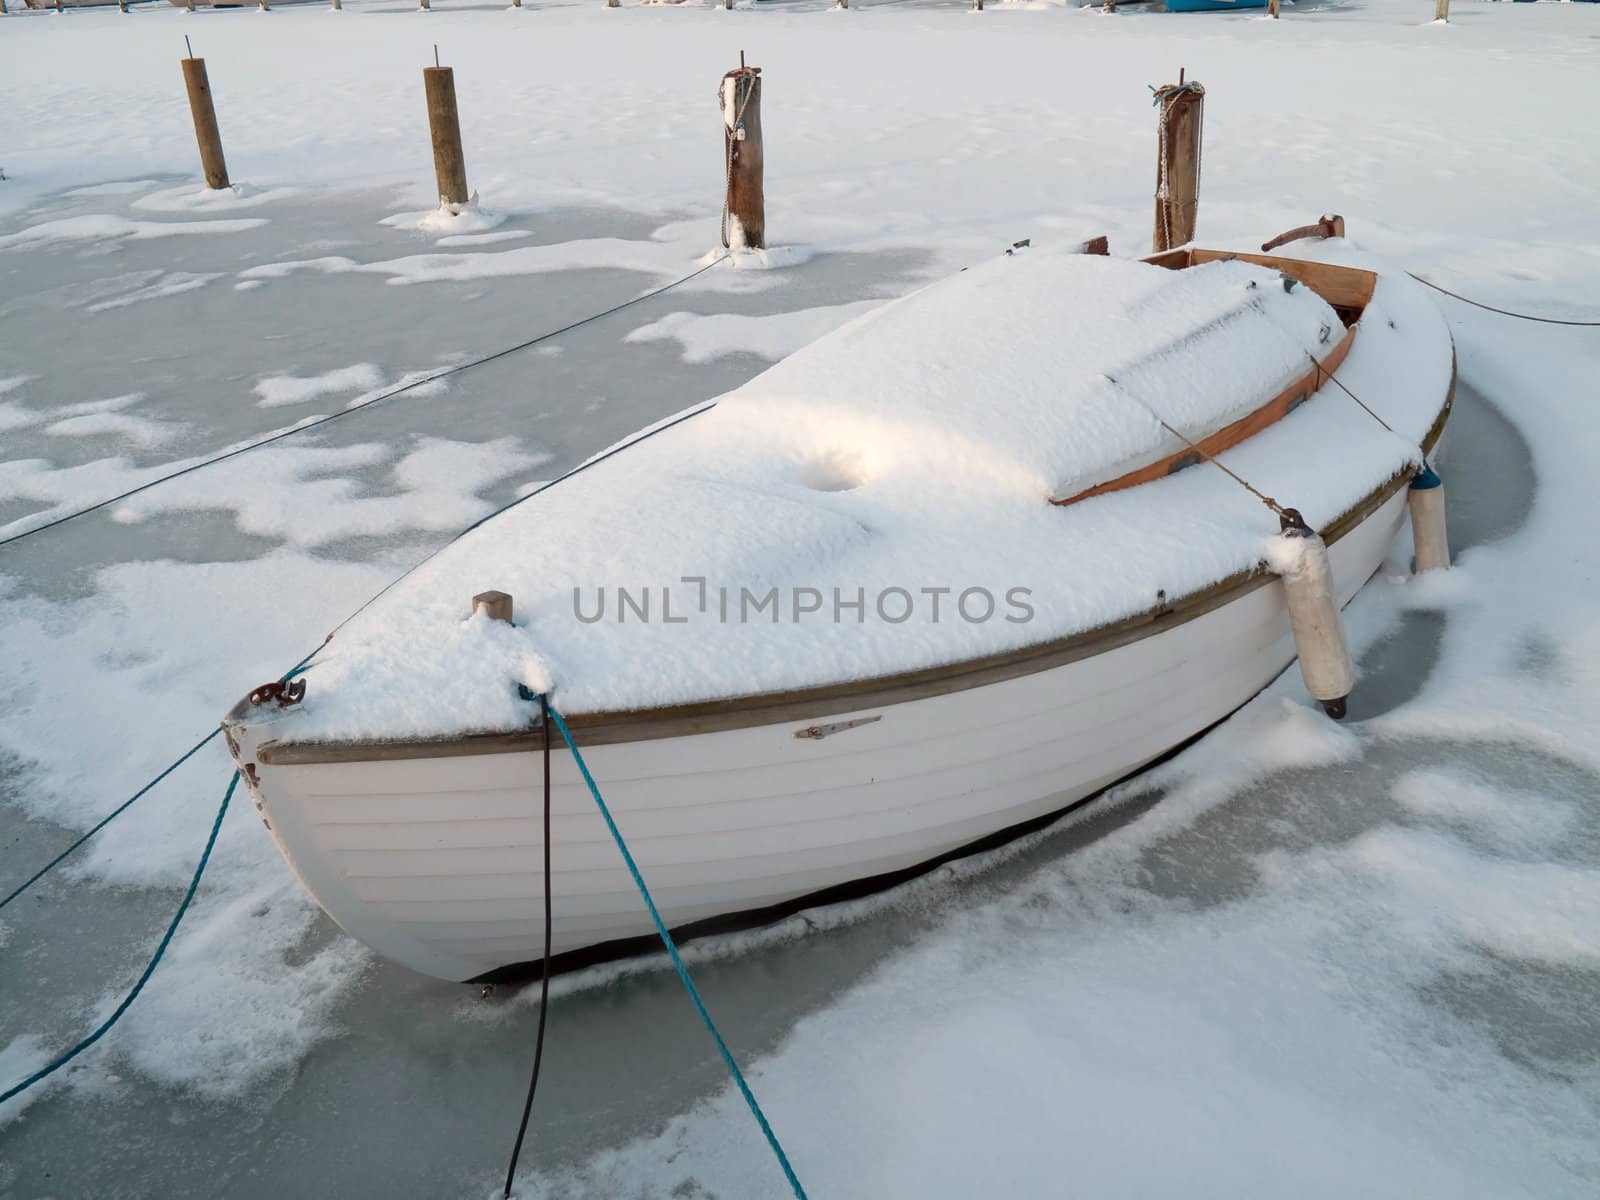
x=544, y=981
x=355, y=408
x=1504, y=312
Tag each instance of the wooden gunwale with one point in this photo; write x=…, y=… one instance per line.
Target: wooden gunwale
x=1347, y=289
x=1230, y=435
x=808, y=704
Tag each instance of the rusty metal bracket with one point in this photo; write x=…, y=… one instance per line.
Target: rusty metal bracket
x=285, y=692
x=1331, y=225
x=817, y=732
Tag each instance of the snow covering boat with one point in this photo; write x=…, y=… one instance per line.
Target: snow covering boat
x=935, y=577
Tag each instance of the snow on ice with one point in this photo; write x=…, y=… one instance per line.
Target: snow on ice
x=1297, y=959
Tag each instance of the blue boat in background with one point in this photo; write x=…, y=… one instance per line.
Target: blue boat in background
x=1212, y=5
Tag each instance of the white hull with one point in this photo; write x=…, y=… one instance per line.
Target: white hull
x=435, y=862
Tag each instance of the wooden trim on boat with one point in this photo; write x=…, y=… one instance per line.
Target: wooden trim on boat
x=1347, y=289
x=1342, y=287
x=808, y=704
x=1247, y=426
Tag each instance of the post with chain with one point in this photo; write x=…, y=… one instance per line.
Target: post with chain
x=444, y=124
x=1182, y=114
x=206, y=133
x=744, y=210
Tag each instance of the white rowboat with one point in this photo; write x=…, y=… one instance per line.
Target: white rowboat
x=424, y=840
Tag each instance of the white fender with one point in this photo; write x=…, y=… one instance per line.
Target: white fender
x=1300, y=559
x=1430, y=541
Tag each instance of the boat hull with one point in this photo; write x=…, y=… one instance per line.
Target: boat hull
x=435, y=861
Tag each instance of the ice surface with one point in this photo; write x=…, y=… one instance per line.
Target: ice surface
x=1244, y=989
x=708, y=336
x=459, y=220
x=105, y=227
x=277, y=390
x=436, y=485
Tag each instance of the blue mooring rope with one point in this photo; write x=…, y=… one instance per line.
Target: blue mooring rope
x=194, y=885
x=677, y=962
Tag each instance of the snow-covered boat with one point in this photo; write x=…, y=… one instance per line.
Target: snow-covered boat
x=935, y=577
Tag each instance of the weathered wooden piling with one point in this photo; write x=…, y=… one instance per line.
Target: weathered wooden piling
x=423, y=5
x=1182, y=114
x=336, y=5
x=495, y=605
x=613, y=4
x=1272, y=9
x=206, y=134
x=744, y=209
x=444, y=123
x=1441, y=10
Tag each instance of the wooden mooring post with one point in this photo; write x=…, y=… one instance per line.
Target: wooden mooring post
x=444, y=123
x=495, y=605
x=1182, y=109
x=744, y=209
x=1441, y=10
x=206, y=133
x=1272, y=9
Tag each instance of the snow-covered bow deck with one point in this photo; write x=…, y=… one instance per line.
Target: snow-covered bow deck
x=910, y=455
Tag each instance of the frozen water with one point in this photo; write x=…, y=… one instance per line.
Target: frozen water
x=1296, y=959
